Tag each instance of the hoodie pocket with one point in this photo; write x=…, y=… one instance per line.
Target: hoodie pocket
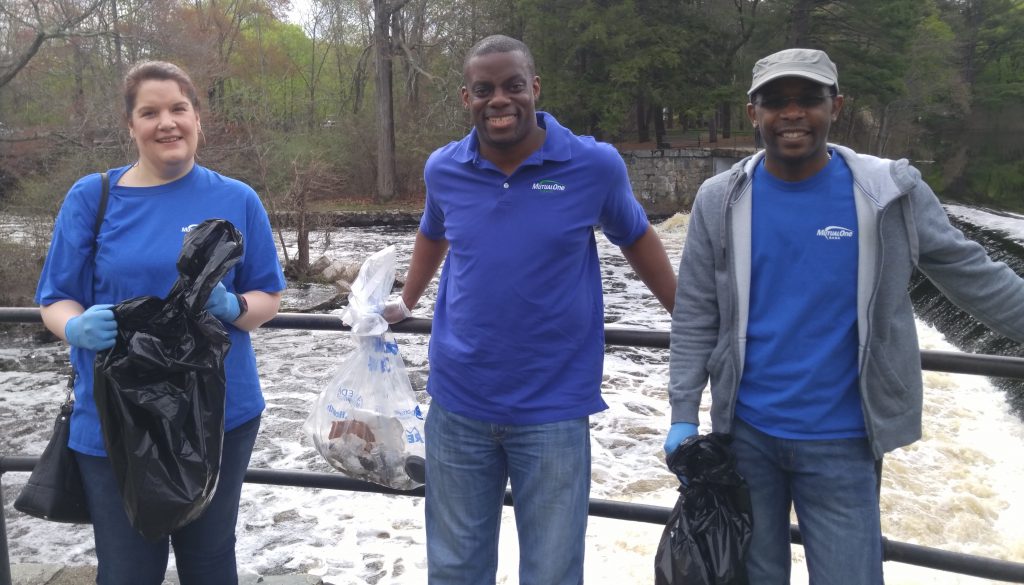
x=890, y=387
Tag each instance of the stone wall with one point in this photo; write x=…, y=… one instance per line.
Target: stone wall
x=666, y=180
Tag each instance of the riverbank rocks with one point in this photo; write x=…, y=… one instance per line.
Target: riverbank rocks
x=341, y=274
x=395, y=217
x=330, y=281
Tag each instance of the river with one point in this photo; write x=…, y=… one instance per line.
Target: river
x=959, y=488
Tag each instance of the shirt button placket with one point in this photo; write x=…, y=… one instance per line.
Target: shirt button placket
x=503, y=195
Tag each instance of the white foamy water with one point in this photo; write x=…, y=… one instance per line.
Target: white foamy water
x=959, y=488
x=1011, y=224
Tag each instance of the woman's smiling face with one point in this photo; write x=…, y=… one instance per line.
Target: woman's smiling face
x=165, y=127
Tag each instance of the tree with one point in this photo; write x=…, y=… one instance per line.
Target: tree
x=385, y=28
x=31, y=23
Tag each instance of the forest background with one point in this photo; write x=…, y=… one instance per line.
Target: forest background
x=335, y=104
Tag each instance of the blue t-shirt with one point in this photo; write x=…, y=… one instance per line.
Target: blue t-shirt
x=800, y=371
x=137, y=249
x=518, y=332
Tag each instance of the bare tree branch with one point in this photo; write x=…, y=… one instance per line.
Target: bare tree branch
x=44, y=31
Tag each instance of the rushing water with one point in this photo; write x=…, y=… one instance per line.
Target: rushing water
x=959, y=488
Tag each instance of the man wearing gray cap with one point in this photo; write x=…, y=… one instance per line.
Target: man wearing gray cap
x=792, y=298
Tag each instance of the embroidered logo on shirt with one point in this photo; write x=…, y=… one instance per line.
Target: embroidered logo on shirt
x=186, y=229
x=835, y=232
x=548, y=185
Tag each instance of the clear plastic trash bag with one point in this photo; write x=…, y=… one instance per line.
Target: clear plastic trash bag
x=706, y=538
x=160, y=390
x=366, y=422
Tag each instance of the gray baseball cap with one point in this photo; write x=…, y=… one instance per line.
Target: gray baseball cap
x=810, y=64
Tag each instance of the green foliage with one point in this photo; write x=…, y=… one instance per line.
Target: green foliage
x=918, y=75
x=997, y=181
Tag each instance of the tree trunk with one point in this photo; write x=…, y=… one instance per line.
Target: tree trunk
x=713, y=127
x=118, y=51
x=302, y=259
x=300, y=195
x=881, y=135
x=643, y=129
x=800, y=26
x=726, y=113
x=386, y=168
x=659, y=127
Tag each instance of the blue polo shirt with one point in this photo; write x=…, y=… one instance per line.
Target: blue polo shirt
x=518, y=333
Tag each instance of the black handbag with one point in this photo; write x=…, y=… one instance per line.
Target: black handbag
x=54, y=490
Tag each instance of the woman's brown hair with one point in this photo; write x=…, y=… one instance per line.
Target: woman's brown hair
x=161, y=71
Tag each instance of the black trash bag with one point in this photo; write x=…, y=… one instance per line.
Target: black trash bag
x=706, y=538
x=160, y=390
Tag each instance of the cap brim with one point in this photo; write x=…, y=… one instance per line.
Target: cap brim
x=791, y=73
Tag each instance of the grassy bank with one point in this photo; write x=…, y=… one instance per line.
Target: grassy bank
x=19, y=273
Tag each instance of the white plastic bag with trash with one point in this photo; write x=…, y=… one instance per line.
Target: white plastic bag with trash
x=367, y=423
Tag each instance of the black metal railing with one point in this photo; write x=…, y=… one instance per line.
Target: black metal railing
x=932, y=558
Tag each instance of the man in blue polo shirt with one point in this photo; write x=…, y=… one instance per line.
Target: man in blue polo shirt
x=517, y=345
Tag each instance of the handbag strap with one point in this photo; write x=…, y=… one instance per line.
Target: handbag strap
x=102, y=209
x=69, y=398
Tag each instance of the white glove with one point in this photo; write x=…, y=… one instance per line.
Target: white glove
x=396, y=311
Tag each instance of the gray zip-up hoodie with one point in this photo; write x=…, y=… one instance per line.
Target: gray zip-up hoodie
x=900, y=225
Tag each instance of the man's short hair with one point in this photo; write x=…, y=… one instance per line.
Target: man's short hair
x=499, y=44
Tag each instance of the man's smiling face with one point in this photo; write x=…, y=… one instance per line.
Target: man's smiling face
x=501, y=93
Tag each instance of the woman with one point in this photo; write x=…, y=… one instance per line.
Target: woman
x=153, y=202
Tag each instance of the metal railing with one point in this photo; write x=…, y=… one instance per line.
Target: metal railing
x=900, y=552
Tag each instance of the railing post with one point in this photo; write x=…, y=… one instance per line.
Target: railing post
x=5, y=558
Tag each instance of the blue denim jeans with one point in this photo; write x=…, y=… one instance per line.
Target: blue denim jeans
x=833, y=484
x=469, y=463
x=204, y=550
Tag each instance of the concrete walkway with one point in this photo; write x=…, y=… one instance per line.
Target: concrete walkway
x=33, y=574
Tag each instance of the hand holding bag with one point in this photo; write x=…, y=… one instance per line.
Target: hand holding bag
x=367, y=423
x=54, y=490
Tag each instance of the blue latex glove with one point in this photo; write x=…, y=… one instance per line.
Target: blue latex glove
x=678, y=433
x=95, y=329
x=222, y=304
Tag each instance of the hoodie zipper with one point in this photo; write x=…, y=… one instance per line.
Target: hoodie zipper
x=869, y=317
x=731, y=264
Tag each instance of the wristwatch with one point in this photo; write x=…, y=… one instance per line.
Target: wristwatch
x=243, y=306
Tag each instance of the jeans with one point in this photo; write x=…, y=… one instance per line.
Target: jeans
x=833, y=484
x=469, y=464
x=204, y=550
